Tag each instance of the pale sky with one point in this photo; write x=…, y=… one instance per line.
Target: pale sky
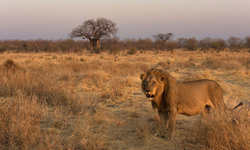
x=55, y=19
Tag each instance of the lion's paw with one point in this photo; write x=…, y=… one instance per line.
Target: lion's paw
x=167, y=137
x=161, y=135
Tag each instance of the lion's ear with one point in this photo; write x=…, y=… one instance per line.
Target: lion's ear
x=161, y=77
x=141, y=76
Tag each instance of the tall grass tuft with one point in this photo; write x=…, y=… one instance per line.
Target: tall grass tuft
x=20, y=119
x=224, y=131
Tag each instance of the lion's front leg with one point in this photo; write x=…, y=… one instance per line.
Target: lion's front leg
x=164, y=116
x=171, y=123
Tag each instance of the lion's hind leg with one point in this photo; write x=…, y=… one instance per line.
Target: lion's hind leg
x=206, y=111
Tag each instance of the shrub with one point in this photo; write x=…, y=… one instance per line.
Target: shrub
x=115, y=51
x=132, y=51
x=10, y=65
x=171, y=46
x=191, y=44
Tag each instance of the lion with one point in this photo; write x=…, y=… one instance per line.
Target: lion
x=187, y=98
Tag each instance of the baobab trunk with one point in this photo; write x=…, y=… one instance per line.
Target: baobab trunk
x=94, y=45
x=91, y=45
x=98, y=46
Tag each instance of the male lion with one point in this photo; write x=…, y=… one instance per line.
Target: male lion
x=188, y=98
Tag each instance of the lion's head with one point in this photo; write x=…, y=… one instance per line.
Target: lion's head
x=153, y=83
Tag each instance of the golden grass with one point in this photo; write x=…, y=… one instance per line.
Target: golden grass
x=227, y=131
x=88, y=101
x=228, y=63
x=20, y=119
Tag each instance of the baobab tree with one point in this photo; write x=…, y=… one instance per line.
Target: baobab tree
x=94, y=31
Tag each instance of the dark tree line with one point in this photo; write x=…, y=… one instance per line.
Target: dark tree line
x=70, y=45
x=98, y=34
x=40, y=45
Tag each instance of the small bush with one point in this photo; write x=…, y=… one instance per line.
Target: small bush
x=132, y=51
x=10, y=65
x=82, y=60
x=115, y=51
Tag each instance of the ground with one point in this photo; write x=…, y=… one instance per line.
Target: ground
x=89, y=101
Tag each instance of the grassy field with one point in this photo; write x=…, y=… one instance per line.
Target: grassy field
x=90, y=101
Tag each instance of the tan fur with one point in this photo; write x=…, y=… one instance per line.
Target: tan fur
x=188, y=98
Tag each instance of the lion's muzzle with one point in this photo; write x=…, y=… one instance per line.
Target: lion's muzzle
x=149, y=96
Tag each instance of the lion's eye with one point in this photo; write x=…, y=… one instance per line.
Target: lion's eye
x=145, y=82
x=154, y=83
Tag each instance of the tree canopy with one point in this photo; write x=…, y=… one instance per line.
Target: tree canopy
x=94, y=30
x=163, y=37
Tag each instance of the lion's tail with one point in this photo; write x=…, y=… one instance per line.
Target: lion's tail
x=240, y=104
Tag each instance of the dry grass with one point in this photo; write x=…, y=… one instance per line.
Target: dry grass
x=228, y=63
x=33, y=81
x=20, y=119
x=227, y=131
x=88, y=101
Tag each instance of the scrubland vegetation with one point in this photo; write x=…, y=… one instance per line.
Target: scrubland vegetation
x=94, y=101
x=68, y=45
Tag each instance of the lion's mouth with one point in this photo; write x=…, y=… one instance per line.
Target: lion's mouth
x=149, y=96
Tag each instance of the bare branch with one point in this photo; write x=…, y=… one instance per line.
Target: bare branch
x=163, y=37
x=95, y=29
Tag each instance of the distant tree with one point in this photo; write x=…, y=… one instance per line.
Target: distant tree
x=247, y=42
x=171, y=45
x=94, y=31
x=144, y=44
x=234, y=43
x=4, y=47
x=110, y=43
x=191, y=44
x=181, y=42
x=218, y=44
x=163, y=37
x=160, y=45
x=129, y=43
x=204, y=44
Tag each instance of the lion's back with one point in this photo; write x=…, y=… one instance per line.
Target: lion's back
x=202, y=91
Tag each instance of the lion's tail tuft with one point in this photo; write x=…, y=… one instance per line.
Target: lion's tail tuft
x=240, y=104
